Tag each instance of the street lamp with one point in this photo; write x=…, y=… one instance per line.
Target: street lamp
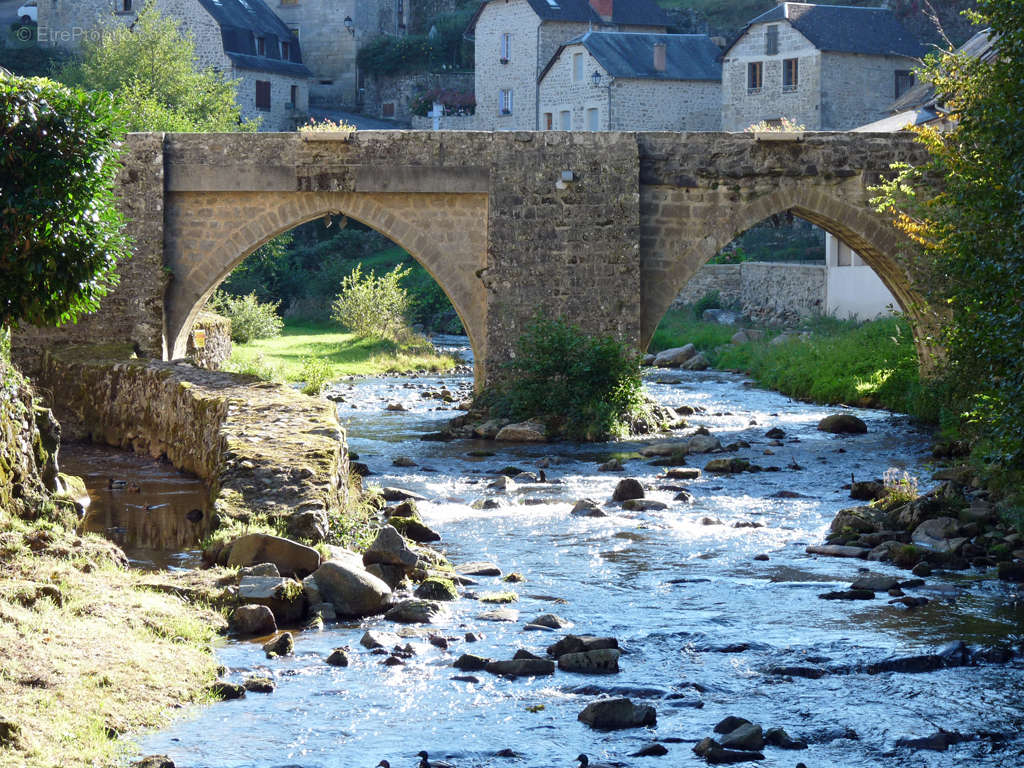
x=596, y=78
x=350, y=25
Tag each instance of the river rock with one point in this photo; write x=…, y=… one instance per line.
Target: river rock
x=703, y=444
x=775, y=433
x=612, y=465
x=730, y=723
x=259, y=684
x=747, y=737
x=628, y=488
x=500, y=614
x=581, y=644
x=696, y=363
x=674, y=357
x=503, y=483
x=867, y=490
x=604, y=661
x=290, y=557
x=885, y=552
x=480, y=568
x=664, y=449
x=643, y=505
x=488, y=429
x=400, y=494
x=282, y=645
x=271, y=592
x=523, y=432
x=849, y=594
x=436, y=588
x=262, y=569
x=715, y=754
x=390, y=548
x=225, y=691
x=470, y=662
x=864, y=519
x=778, y=737
x=392, y=575
x=587, y=508
x=149, y=761
x=616, y=714
x=413, y=611
x=835, y=550
x=338, y=657
x=253, y=620
x=842, y=424
x=683, y=473
x=551, y=621
x=521, y=667
x=939, y=534
x=352, y=591
x=415, y=529
x=875, y=582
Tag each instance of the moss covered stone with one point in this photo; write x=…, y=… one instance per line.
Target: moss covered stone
x=436, y=588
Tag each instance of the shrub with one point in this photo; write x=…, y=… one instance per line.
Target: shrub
x=585, y=386
x=250, y=318
x=374, y=307
x=316, y=372
x=710, y=300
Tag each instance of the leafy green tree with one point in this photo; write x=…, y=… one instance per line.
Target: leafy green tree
x=964, y=208
x=152, y=69
x=372, y=306
x=250, y=318
x=62, y=233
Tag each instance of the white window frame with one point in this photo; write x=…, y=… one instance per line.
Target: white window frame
x=577, y=68
x=506, y=47
x=596, y=113
x=562, y=114
x=505, y=101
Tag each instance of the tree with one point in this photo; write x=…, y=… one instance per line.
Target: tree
x=374, y=307
x=152, y=69
x=965, y=208
x=62, y=233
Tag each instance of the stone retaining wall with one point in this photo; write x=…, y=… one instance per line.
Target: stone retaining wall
x=265, y=449
x=216, y=345
x=761, y=287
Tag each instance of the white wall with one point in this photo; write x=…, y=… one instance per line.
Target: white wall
x=855, y=290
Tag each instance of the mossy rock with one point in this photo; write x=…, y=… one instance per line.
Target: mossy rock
x=499, y=597
x=435, y=588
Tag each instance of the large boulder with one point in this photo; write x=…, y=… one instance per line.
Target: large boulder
x=615, y=714
x=587, y=508
x=673, y=358
x=389, y=548
x=843, y=424
x=523, y=432
x=253, y=620
x=290, y=557
x=696, y=363
x=939, y=534
x=285, y=598
x=521, y=667
x=413, y=611
x=581, y=644
x=603, y=661
x=857, y=520
x=703, y=444
x=351, y=590
x=628, y=488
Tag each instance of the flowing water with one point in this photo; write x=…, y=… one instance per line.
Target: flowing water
x=700, y=620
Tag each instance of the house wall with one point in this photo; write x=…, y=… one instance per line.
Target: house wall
x=627, y=104
x=401, y=90
x=520, y=73
x=67, y=25
x=855, y=290
x=741, y=108
x=328, y=49
x=279, y=117
x=858, y=89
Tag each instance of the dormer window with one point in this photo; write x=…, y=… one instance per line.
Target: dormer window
x=286, y=51
x=261, y=46
x=771, y=39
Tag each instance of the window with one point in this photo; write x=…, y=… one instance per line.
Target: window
x=387, y=109
x=904, y=82
x=790, y=75
x=294, y=31
x=505, y=101
x=565, y=120
x=286, y=51
x=577, y=67
x=263, y=95
x=771, y=39
x=400, y=13
x=123, y=6
x=261, y=46
x=549, y=121
x=295, y=97
x=506, y=47
x=755, y=76
x=592, y=119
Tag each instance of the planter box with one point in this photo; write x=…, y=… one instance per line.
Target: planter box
x=326, y=135
x=778, y=135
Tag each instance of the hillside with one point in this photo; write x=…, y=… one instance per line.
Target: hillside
x=728, y=17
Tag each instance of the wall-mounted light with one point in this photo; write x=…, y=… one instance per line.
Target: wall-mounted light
x=350, y=25
x=596, y=78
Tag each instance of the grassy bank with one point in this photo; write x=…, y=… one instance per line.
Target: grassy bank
x=871, y=364
x=93, y=650
x=284, y=357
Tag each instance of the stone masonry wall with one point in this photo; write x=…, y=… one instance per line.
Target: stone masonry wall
x=858, y=89
x=761, y=288
x=328, y=49
x=265, y=449
x=215, y=347
x=519, y=73
x=280, y=116
x=726, y=279
x=401, y=90
x=134, y=312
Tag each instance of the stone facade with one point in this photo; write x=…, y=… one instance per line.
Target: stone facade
x=214, y=425
x=209, y=342
x=603, y=229
x=401, y=90
x=832, y=91
x=761, y=288
x=67, y=24
x=623, y=104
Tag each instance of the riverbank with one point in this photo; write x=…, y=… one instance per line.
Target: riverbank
x=871, y=364
x=341, y=354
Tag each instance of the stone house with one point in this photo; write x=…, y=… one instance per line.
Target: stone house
x=826, y=67
x=631, y=81
x=243, y=39
x=515, y=39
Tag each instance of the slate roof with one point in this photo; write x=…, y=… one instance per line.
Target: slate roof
x=637, y=13
x=844, y=29
x=630, y=55
x=241, y=22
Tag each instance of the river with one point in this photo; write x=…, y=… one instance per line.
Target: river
x=700, y=620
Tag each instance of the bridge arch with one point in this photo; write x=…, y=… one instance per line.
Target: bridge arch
x=211, y=233
x=678, y=252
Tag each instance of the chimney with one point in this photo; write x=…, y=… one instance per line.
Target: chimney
x=603, y=8
x=659, y=57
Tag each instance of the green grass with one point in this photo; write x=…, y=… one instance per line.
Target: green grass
x=282, y=358
x=679, y=328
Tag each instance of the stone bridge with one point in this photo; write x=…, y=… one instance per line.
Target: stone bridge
x=602, y=229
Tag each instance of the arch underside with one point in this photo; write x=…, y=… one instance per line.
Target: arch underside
x=209, y=234
x=674, y=251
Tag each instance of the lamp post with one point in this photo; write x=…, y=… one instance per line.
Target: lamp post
x=349, y=25
x=597, y=80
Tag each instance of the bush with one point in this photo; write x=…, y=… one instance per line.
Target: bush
x=316, y=372
x=250, y=318
x=711, y=300
x=374, y=307
x=584, y=386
